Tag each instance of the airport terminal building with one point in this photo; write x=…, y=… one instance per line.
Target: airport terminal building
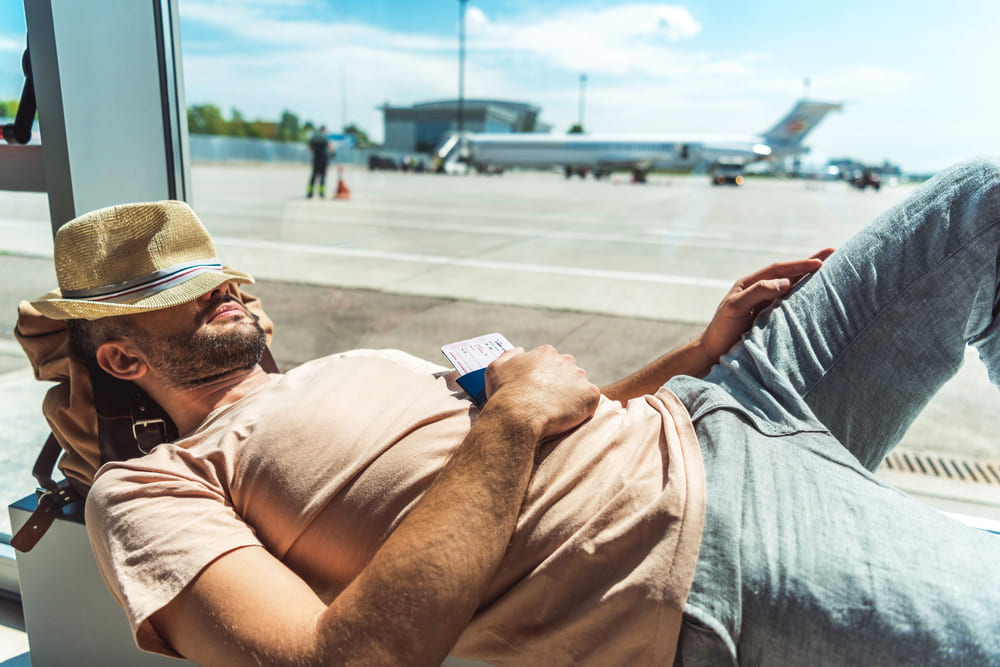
x=422, y=127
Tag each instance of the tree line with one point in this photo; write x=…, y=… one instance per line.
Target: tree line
x=208, y=119
x=8, y=108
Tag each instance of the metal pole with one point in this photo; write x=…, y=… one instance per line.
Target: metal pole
x=583, y=81
x=343, y=100
x=461, y=63
x=115, y=127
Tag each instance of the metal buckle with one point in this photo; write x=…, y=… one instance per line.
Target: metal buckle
x=160, y=425
x=60, y=495
x=65, y=495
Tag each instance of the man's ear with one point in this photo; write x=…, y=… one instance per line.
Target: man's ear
x=118, y=358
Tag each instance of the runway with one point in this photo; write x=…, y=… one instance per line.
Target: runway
x=666, y=250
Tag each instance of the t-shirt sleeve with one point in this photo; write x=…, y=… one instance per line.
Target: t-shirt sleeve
x=153, y=530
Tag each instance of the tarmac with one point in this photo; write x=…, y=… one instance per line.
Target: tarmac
x=613, y=273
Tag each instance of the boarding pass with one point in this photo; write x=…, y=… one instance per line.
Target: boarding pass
x=476, y=353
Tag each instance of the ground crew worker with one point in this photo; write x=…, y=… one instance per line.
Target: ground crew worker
x=322, y=150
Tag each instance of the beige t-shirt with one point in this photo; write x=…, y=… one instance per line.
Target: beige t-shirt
x=320, y=465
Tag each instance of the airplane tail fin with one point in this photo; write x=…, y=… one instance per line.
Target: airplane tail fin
x=791, y=130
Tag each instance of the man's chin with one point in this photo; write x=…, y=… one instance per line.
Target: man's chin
x=215, y=353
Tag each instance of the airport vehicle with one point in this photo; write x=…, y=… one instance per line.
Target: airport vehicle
x=723, y=173
x=600, y=154
x=381, y=163
x=864, y=178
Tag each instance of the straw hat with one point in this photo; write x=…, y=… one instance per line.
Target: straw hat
x=132, y=258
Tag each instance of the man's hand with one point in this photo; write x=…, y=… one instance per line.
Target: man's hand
x=541, y=388
x=734, y=316
x=748, y=296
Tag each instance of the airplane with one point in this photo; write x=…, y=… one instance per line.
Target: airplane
x=601, y=154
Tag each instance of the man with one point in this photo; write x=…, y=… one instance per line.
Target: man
x=319, y=145
x=359, y=509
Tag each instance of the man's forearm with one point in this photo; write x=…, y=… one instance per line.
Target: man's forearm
x=734, y=317
x=436, y=566
x=688, y=359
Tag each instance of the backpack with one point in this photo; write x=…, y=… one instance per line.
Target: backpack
x=94, y=417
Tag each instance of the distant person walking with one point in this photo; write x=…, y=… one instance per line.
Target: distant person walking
x=322, y=150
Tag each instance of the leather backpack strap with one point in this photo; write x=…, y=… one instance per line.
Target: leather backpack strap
x=129, y=422
x=49, y=505
x=54, y=496
x=46, y=463
x=267, y=361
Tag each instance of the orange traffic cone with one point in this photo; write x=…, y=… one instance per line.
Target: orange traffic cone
x=342, y=190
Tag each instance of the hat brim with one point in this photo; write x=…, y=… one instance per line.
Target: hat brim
x=54, y=306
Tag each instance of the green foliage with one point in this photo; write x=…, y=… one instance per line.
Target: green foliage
x=361, y=139
x=8, y=108
x=288, y=127
x=208, y=119
x=239, y=127
x=576, y=129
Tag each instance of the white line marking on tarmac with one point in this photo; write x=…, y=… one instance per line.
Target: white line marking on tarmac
x=644, y=236
x=441, y=260
x=530, y=230
x=403, y=215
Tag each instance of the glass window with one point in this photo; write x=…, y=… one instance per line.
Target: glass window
x=390, y=231
x=27, y=266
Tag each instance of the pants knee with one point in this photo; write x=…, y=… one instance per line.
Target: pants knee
x=976, y=180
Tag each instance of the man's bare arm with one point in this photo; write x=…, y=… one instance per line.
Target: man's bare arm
x=418, y=592
x=734, y=316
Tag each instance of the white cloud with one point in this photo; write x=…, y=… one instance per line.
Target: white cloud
x=11, y=44
x=270, y=23
x=631, y=53
x=285, y=59
x=648, y=68
x=613, y=40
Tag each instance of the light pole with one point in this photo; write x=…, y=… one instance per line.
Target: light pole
x=583, y=82
x=461, y=64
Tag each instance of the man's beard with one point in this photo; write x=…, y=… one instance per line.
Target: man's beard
x=189, y=360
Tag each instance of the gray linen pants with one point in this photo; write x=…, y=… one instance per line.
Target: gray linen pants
x=807, y=558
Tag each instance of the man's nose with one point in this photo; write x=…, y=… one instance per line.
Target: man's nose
x=216, y=293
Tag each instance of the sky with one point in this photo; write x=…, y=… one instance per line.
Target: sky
x=917, y=77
